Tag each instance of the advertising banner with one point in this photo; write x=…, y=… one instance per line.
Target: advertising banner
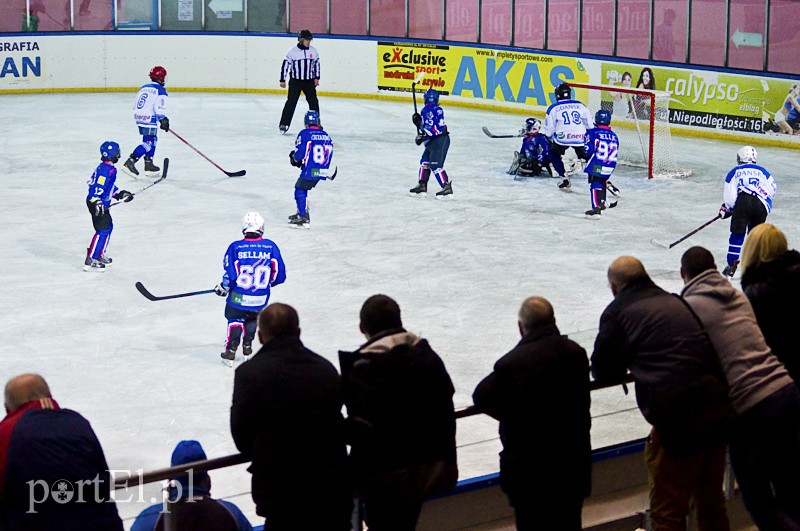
x=477, y=73
x=708, y=98
x=21, y=61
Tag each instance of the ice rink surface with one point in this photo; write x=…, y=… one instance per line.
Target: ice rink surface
x=148, y=374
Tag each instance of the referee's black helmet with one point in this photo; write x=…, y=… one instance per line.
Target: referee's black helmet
x=304, y=34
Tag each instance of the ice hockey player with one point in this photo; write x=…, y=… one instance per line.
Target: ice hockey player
x=432, y=131
x=251, y=266
x=601, y=148
x=102, y=189
x=534, y=154
x=747, y=200
x=565, y=126
x=148, y=112
x=312, y=154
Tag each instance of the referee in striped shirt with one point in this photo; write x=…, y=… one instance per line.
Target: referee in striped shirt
x=302, y=67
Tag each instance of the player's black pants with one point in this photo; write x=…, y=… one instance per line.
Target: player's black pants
x=240, y=321
x=296, y=86
x=557, y=151
x=748, y=213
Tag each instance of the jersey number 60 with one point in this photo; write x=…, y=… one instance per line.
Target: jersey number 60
x=258, y=276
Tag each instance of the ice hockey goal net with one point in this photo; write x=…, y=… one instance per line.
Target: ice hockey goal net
x=641, y=120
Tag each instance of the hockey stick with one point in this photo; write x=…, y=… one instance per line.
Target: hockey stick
x=239, y=173
x=152, y=184
x=335, y=171
x=695, y=231
x=150, y=296
x=490, y=135
x=414, y=95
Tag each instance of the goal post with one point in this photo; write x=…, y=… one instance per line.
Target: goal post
x=640, y=118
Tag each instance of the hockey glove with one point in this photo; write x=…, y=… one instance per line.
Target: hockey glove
x=99, y=209
x=724, y=212
x=293, y=161
x=416, y=119
x=124, y=195
x=420, y=139
x=164, y=123
x=220, y=290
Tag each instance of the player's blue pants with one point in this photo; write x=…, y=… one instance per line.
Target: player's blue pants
x=301, y=188
x=748, y=213
x=148, y=145
x=557, y=151
x=597, y=190
x=103, y=226
x=240, y=322
x=433, y=159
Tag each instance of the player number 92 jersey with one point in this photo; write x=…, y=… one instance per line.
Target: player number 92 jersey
x=602, y=148
x=252, y=266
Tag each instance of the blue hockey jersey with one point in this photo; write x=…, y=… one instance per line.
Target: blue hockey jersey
x=102, y=183
x=314, y=148
x=252, y=266
x=602, y=148
x=433, y=121
x=535, y=147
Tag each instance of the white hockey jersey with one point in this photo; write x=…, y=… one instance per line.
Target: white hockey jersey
x=751, y=179
x=150, y=105
x=566, y=123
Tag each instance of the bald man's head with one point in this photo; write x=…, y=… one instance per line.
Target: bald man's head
x=23, y=389
x=535, y=312
x=278, y=320
x=623, y=271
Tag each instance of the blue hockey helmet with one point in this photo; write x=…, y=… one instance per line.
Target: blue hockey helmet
x=312, y=118
x=109, y=151
x=563, y=92
x=431, y=97
x=602, y=117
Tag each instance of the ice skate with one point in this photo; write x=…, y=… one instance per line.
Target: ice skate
x=421, y=188
x=730, y=269
x=447, y=189
x=593, y=213
x=95, y=266
x=301, y=221
x=565, y=185
x=130, y=166
x=228, y=356
x=294, y=216
x=151, y=169
x=247, y=349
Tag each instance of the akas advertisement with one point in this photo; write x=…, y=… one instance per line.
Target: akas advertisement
x=708, y=98
x=479, y=73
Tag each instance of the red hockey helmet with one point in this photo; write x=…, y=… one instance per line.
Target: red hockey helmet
x=158, y=74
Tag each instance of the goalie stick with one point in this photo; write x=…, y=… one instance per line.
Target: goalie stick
x=152, y=184
x=239, y=173
x=150, y=296
x=695, y=231
x=490, y=135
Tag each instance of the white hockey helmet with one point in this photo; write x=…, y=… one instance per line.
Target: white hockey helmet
x=747, y=154
x=253, y=222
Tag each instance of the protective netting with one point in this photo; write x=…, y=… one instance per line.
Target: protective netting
x=641, y=120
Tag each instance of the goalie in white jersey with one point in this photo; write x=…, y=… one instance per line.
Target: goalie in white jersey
x=565, y=126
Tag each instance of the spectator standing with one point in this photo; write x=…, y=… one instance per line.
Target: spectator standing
x=44, y=450
x=771, y=280
x=546, y=477
x=747, y=200
x=286, y=417
x=664, y=40
x=191, y=503
x=402, y=426
x=301, y=67
x=680, y=390
x=765, y=446
x=251, y=267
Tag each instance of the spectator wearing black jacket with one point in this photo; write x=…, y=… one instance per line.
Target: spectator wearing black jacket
x=401, y=422
x=286, y=417
x=539, y=391
x=771, y=280
x=680, y=390
x=53, y=473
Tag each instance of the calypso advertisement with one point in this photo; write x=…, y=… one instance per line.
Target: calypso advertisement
x=707, y=98
x=480, y=73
